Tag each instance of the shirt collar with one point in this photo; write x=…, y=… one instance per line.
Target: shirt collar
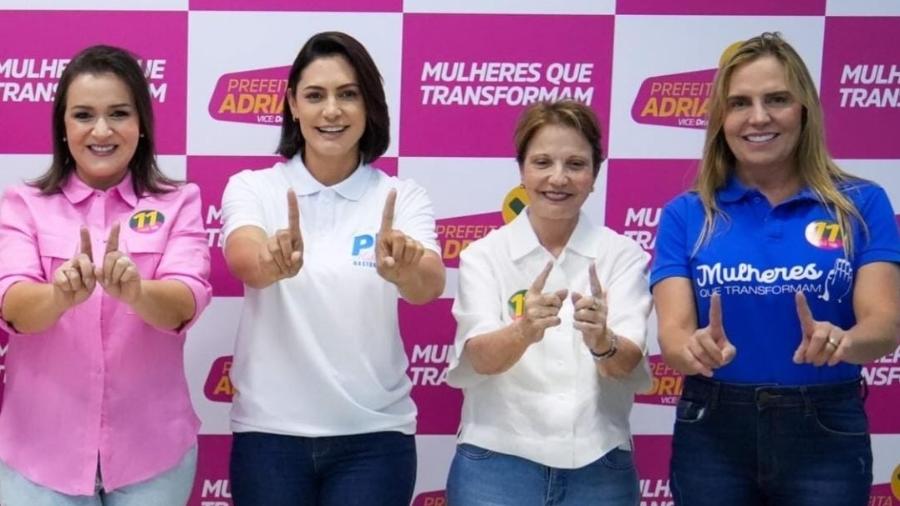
x=77, y=190
x=524, y=241
x=304, y=183
x=734, y=191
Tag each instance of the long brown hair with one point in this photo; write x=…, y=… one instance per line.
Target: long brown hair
x=146, y=176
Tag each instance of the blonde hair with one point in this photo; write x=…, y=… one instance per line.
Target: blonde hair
x=813, y=163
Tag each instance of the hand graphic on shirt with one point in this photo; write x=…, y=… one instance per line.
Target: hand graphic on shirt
x=282, y=256
x=820, y=342
x=709, y=348
x=838, y=281
x=590, y=314
x=74, y=280
x=395, y=252
x=118, y=275
x=541, y=310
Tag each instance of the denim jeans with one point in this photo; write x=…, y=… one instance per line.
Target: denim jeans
x=769, y=445
x=171, y=488
x=363, y=469
x=480, y=477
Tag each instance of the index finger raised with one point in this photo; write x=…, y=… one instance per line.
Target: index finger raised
x=112, y=242
x=293, y=216
x=596, y=287
x=541, y=280
x=807, y=322
x=387, y=216
x=86, y=247
x=715, y=313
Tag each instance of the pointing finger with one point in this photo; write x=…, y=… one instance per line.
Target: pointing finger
x=112, y=242
x=86, y=247
x=596, y=287
x=807, y=322
x=538, y=285
x=715, y=316
x=387, y=216
x=294, y=219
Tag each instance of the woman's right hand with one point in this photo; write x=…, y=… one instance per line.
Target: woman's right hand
x=282, y=255
x=708, y=348
x=541, y=309
x=74, y=280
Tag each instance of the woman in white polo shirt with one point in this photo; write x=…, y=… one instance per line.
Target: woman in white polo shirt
x=551, y=314
x=325, y=244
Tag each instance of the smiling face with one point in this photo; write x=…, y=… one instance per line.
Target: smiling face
x=557, y=173
x=763, y=119
x=329, y=106
x=102, y=128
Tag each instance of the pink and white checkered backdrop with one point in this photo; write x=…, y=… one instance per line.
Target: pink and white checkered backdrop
x=457, y=74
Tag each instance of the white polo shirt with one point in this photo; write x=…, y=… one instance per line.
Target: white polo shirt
x=552, y=406
x=320, y=354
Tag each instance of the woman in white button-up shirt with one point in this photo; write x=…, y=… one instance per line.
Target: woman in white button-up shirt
x=550, y=344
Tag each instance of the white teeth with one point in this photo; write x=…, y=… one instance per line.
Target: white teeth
x=103, y=149
x=556, y=195
x=332, y=130
x=760, y=137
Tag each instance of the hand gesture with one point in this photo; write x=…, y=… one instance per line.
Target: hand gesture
x=74, y=281
x=820, y=342
x=590, y=314
x=119, y=275
x=709, y=348
x=395, y=252
x=282, y=256
x=540, y=309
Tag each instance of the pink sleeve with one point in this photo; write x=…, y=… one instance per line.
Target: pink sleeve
x=19, y=256
x=186, y=256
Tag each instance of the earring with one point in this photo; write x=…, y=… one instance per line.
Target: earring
x=142, y=136
x=64, y=139
x=522, y=185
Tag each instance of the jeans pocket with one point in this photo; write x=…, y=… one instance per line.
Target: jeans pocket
x=690, y=411
x=473, y=452
x=618, y=459
x=842, y=418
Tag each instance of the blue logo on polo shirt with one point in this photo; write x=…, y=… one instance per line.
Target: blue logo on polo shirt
x=363, y=250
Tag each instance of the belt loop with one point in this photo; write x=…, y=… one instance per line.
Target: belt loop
x=715, y=394
x=807, y=401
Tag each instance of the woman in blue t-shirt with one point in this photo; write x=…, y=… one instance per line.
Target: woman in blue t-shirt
x=774, y=279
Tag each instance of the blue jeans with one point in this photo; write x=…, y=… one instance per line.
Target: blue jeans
x=363, y=469
x=171, y=488
x=769, y=445
x=480, y=477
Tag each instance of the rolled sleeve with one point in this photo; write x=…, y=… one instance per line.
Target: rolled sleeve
x=477, y=310
x=19, y=256
x=186, y=256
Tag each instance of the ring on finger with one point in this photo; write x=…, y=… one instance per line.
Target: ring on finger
x=832, y=342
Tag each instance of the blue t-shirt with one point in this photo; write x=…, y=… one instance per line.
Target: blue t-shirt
x=758, y=256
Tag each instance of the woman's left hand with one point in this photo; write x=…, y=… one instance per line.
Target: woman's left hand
x=118, y=276
x=821, y=342
x=395, y=252
x=590, y=315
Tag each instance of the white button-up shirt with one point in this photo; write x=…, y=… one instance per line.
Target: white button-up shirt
x=552, y=406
